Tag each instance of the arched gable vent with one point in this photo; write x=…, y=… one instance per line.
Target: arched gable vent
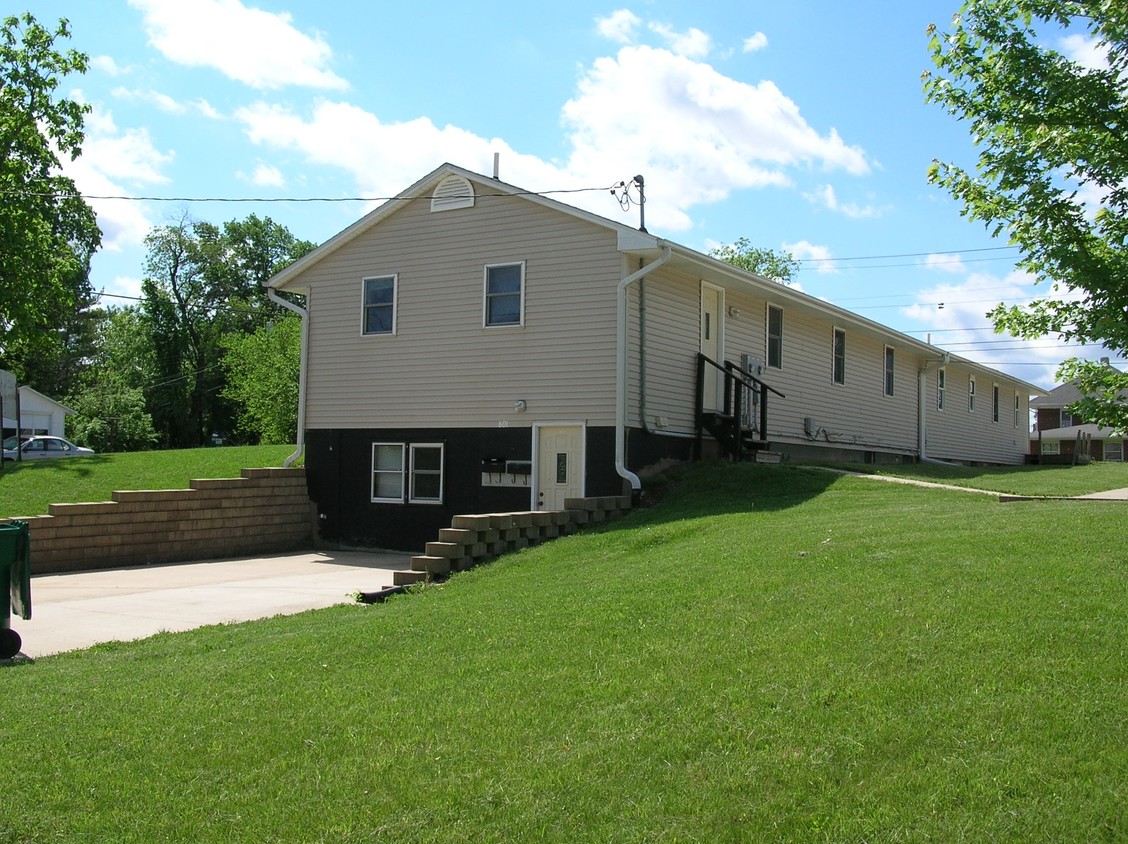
x=452, y=192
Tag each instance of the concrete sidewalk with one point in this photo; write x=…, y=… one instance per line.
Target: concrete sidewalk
x=73, y=611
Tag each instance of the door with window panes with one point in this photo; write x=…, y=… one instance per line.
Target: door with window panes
x=560, y=465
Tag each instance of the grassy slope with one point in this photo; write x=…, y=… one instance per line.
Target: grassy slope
x=27, y=488
x=1016, y=480
x=769, y=654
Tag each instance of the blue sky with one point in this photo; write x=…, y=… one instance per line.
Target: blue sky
x=798, y=125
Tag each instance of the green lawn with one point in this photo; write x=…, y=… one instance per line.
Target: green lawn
x=27, y=488
x=768, y=654
x=1015, y=480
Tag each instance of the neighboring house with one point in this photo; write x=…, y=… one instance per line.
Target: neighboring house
x=39, y=414
x=474, y=348
x=1060, y=434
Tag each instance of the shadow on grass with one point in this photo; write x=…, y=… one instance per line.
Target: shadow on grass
x=711, y=489
x=69, y=466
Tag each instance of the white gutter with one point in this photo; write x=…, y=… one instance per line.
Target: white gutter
x=621, y=367
x=922, y=433
x=304, y=315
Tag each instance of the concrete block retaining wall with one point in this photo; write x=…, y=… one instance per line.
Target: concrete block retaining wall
x=471, y=540
x=264, y=511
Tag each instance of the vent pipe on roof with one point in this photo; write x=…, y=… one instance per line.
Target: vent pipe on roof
x=497, y=165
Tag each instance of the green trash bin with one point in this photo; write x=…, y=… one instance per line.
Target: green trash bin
x=15, y=583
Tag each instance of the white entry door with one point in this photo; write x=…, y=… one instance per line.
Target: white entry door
x=560, y=465
x=713, y=344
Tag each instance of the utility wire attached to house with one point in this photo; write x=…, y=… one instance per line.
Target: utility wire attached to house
x=622, y=192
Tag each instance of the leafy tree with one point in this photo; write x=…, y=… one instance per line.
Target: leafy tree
x=111, y=418
x=776, y=265
x=203, y=283
x=47, y=231
x=56, y=362
x=109, y=397
x=1052, y=170
x=262, y=378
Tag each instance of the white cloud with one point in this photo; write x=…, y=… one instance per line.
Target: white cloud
x=264, y=175
x=755, y=42
x=945, y=263
x=127, y=155
x=619, y=26
x=817, y=257
x=958, y=315
x=260, y=49
x=205, y=108
x=698, y=134
x=107, y=65
x=165, y=103
x=111, y=157
x=1085, y=51
x=121, y=290
x=695, y=134
x=693, y=44
x=828, y=198
x=378, y=154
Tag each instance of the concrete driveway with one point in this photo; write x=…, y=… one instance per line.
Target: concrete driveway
x=72, y=611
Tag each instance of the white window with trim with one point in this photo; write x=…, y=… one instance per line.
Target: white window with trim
x=971, y=394
x=504, y=295
x=1114, y=451
x=1051, y=447
x=1017, y=409
x=889, y=369
x=1068, y=420
x=380, y=305
x=407, y=473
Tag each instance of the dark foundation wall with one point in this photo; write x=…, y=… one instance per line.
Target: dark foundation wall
x=645, y=450
x=339, y=474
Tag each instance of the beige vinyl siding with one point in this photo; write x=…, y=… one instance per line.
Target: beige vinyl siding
x=857, y=414
x=956, y=434
x=442, y=368
x=673, y=339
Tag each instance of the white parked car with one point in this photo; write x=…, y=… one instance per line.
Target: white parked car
x=39, y=448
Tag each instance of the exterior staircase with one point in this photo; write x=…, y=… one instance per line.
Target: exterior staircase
x=472, y=540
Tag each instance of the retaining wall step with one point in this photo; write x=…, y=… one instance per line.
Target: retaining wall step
x=430, y=564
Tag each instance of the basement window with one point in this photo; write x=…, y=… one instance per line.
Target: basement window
x=407, y=473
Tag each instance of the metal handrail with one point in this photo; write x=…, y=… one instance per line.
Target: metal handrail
x=734, y=376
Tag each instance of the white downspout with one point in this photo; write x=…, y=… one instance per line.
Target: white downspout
x=621, y=367
x=302, y=367
x=922, y=432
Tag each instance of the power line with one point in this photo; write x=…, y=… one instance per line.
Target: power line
x=562, y=191
x=913, y=254
x=296, y=199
